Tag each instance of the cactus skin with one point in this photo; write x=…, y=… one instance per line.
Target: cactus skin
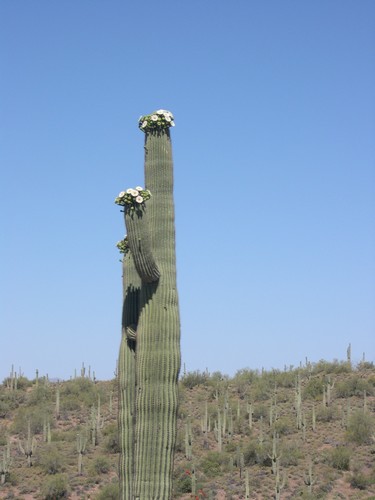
x=149, y=360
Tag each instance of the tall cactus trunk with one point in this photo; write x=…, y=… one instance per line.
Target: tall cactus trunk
x=149, y=361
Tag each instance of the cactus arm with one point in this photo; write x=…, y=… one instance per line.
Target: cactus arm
x=126, y=375
x=138, y=229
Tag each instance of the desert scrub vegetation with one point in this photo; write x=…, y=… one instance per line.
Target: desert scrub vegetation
x=361, y=427
x=336, y=437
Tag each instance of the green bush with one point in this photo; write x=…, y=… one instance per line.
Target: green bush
x=285, y=379
x=260, y=390
x=51, y=459
x=354, y=386
x=9, y=401
x=5, y=408
x=328, y=367
x=361, y=481
x=182, y=484
x=109, y=492
x=326, y=414
x=82, y=389
x=291, y=453
x=284, y=426
x=193, y=379
x=55, y=487
x=70, y=402
x=339, y=458
x=40, y=395
x=111, y=438
x=242, y=380
x=260, y=411
x=250, y=454
x=101, y=465
x=313, y=388
x=212, y=464
x=256, y=454
x=361, y=427
x=22, y=383
x=35, y=415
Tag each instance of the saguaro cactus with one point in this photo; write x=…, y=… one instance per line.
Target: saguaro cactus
x=149, y=360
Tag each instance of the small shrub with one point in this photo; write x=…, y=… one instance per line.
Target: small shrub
x=182, y=484
x=109, y=492
x=101, y=465
x=51, y=459
x=251, y=453
x=111, y=441
x=242, y=380
x=9, y=401
x=256, y=454
x=260, y=411
x=35, y=415
x=55, y=487
x=284, y=426
x=314, y=388
x=212, y=464
x=71, y=402
x=260, y=390
x=361, y=481
x=354, y=386
x=361, y=427
x=5, y=408
x=82, y=389
x=326, y=414
x=39, y=396
x=285, y=379
x=340, y=458
x=193, y=379
x=328, y=367
x=291, y=453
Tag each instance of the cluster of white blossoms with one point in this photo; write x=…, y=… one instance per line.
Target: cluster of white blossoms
x=161, y=119
x=133, y=198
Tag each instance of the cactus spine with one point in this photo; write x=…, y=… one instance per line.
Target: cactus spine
x=149, y=360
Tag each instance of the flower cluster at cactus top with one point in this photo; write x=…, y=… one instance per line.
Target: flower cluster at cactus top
x=133, y=198
x=159, y=120
x=123, y=245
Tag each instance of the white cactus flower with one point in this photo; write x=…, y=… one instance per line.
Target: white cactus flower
x=139, y=188
x=154, y=118
x=139, y=199
x=121, y=194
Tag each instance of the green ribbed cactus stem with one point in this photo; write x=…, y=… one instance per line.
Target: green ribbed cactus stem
x=126, y=375
x=149, y=361
x=247, y=485
x=81, y=448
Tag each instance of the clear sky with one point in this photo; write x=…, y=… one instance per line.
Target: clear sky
x=274, y=157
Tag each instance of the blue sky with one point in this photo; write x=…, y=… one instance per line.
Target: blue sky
x=274, y=176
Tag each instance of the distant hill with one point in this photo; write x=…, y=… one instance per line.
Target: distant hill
x=299, y=433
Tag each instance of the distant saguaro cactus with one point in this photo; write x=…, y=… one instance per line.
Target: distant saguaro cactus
x=149, y=359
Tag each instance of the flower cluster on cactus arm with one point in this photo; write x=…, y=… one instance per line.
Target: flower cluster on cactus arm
x=159, y=120
x=123, y=246
x=133, y=198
